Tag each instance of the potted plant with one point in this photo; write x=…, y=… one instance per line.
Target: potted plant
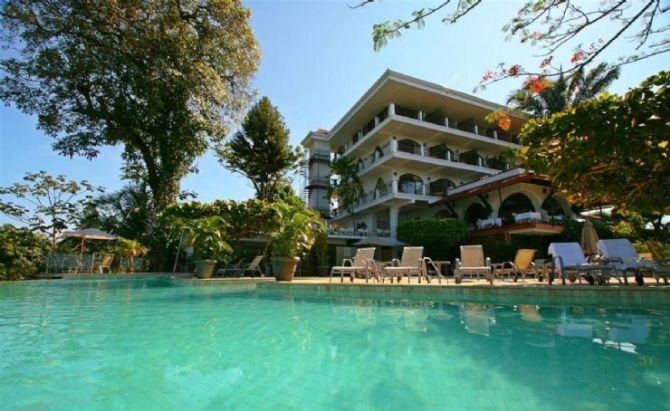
x=296, y=230
x=207, y=237
x=131, y=249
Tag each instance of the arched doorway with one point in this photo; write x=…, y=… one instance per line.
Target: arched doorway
x=410, y=184
x=514, y=204
x=475, y=212
x=380, y=189
x=377, y=154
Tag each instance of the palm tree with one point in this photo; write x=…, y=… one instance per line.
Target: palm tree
x=565, y=91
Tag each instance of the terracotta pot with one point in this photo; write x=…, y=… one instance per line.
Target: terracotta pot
x=284, y=267
x=204, y=268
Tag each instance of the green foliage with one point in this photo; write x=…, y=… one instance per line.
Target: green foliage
x=244, y=219
x=22, y=252
x=124, y=213
x=440, y=237
x=609, y=150
x=565, y=91
x=162, y=79
x=296, y=230
x=260, y=151
x=46, y=204
x=207, y=236
x=347, y=187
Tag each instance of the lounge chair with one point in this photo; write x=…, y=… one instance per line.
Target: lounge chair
x=569, y=258
x=522, y=265
x=361, y=263
x=253, y=268
x=472, y=263
x=620, y=254
x=410, y=263
x=106, y=263
x=660, y=265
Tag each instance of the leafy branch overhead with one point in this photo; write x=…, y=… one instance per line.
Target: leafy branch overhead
x=554, y=25
x=609, y=150
x=46, y=204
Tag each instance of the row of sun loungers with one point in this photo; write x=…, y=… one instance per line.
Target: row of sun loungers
x=618, y=260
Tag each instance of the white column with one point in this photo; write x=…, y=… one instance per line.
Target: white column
x=423, y=150
x=376, y=121
x=495, y=134
x=420, y=115
x=393, y=220
x=476, y=129
x=391, y=109
x=446, y=121
x=394, y=145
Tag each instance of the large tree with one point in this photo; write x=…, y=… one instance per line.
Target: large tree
x=163, y=79
x=260, y=150
x=556, y=96
x=554, y=26
x=609, y=150
x=46, y=204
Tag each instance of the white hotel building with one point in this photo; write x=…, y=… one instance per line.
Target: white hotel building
x=423, y=150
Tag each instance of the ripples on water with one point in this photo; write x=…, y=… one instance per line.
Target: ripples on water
x=155, y=344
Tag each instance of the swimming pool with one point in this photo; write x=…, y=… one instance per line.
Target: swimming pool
x=167, y=344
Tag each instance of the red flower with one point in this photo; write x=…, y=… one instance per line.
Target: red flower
x=514, y=70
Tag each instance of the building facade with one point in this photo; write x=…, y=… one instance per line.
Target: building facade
x=422, y=150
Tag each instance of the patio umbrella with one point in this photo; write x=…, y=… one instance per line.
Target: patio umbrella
x=589, y=239
x=89, y=234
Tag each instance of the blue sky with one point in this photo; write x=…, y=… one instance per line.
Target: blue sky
x=317, y=60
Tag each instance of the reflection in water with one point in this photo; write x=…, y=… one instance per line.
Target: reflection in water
x=477, y=318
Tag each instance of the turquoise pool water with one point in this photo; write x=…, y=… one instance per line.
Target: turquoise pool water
x=168, y=345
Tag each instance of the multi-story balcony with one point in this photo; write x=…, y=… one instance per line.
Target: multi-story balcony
x=435, y=127
x=413, y=156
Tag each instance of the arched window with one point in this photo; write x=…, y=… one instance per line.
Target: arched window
x=380, y=189
x=378, y=153
x=409, y=146
x=515, y=204
x=361, y=197
x=410, y=184
x=360, y=166
x=475, y=212
x=553, y=206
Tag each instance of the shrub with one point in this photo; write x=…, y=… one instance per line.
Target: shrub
x=22, y=252
x=440, y=237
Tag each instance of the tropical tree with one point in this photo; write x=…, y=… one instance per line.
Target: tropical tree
x=260, y=150
x=22, y=252
x=553, y=26
x=162, y=79
x=124, y=212
x=46, y=204
x=563, y=92
x=346, y=187
x=609, y=150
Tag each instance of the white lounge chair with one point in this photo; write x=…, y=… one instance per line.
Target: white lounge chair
x=620, y=254
x=660, y=265
x=410, y=263
x=472, y=263
x=569, y=258
x=253, y=268
x=361, y=263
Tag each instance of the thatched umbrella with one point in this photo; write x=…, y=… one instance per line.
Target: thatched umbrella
x=89, y=234
x=589, y=239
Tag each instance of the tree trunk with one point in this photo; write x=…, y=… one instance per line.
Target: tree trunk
x=164, y=192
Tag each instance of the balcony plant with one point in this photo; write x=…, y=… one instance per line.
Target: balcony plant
x=296, y=230
x=207, y=236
